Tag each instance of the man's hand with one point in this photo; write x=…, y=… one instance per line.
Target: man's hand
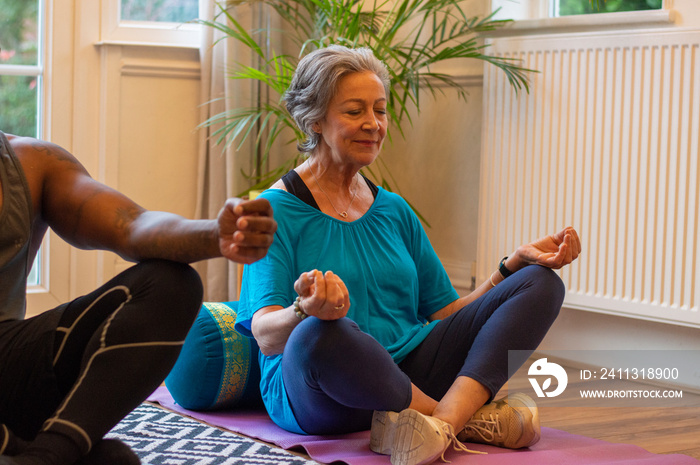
x=246, y=229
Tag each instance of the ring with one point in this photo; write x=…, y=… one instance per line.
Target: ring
x=339, y=307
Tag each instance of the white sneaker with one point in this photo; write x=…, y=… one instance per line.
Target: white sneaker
x=382, y=434
x=419, y=439
x=512, y=422
x=412, y=438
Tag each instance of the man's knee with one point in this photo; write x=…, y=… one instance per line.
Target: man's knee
x=177, y=283
x=170, y=298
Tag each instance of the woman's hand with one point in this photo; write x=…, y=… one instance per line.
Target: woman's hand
x=554, y=251
x=322, y=295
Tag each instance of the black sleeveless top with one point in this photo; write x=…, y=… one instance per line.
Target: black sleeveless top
x=15, y=234
x=295, y=186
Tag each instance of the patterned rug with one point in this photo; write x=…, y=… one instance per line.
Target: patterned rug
x=161, y=437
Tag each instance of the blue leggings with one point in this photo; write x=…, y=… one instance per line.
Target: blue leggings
x=336, y=375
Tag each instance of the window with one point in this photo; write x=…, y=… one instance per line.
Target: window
x=580, y=7
x=573, y=16
x=20, y=67
x=171, y=11
x=163, y=23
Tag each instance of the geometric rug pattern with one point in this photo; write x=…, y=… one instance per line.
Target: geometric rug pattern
x=161, y=437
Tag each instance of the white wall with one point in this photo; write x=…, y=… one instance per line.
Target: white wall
x=687, y=12
x=437, y=171
x=436, y=166
x=148, y=114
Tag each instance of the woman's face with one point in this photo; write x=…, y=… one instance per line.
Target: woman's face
x=355, y=123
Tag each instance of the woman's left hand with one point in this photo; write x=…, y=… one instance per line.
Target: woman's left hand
x=553, y=251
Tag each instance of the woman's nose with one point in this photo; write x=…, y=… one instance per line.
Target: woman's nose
x=370, y=124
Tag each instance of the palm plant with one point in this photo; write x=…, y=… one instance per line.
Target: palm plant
x=410, y=36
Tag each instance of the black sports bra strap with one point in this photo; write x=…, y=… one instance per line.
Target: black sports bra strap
x=295, y=186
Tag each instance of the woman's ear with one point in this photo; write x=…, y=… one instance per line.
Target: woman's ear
x=316, y=127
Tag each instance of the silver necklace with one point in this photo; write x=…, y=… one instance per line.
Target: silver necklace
x=344, y=213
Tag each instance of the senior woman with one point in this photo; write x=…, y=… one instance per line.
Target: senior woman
x=356, y=319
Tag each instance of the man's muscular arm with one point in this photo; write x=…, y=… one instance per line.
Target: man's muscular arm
x=90, y=215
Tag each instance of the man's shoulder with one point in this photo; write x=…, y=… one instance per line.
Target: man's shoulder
x=29, y=146
x=45, y=165
x=29, y=150
x=35, y=154
x=21, y=141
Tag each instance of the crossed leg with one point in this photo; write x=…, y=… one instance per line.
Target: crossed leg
x=107, y=352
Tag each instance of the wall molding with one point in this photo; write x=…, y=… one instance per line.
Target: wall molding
x=148, y=68
x=465, y=80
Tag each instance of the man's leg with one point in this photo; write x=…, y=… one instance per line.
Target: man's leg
x=112, y=349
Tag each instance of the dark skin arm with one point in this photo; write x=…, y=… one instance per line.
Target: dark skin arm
x=90, y=215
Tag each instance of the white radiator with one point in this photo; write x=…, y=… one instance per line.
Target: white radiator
x=606, y=141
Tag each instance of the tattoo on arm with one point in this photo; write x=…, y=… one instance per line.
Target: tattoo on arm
x=125, y=216
x=55, y=152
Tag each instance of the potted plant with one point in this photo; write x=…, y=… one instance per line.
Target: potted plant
x=412, y=37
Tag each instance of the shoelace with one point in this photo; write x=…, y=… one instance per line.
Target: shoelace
x=456, y=444
x=487, y=429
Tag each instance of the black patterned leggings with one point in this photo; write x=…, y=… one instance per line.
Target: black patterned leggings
x=80, y=368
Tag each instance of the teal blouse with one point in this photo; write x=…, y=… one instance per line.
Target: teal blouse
x=385, y=259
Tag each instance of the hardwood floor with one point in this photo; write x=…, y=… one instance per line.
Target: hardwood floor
x=661, y=430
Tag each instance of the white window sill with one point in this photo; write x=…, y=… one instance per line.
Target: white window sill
x=20, y=70
x=135, y=43
x=587, y=23
x=150, y=34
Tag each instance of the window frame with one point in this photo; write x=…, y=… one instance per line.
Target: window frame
x=552, y=7
x=536, y=18
x=163, y=34
x=37, y=70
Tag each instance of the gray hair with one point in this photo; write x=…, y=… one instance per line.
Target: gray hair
x=314, y=85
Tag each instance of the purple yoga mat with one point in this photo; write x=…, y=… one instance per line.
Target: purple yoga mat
x=555, y=448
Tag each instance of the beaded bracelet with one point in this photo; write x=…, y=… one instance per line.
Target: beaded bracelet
x=298, y=310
